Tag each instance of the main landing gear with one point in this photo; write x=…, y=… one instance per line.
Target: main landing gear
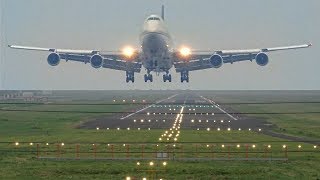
x=167, y=77
x=129, y=76
x=185, y=76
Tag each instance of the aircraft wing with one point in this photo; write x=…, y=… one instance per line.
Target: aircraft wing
x=198, y=60
x=107, y=59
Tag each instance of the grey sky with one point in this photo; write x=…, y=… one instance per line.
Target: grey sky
x=201, y=24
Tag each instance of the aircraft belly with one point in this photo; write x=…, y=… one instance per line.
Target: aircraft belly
x=156, y=54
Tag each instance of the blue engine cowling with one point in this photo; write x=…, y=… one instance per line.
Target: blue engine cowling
x=53, y=59
x=96, y=61
x=216, y=60
x=262, y=59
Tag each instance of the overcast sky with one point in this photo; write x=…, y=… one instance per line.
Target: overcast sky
x=201, y=24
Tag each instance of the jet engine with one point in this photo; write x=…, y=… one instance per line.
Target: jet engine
x=262, y=59
x=216, y=60
x=53, y=59
x=96, y=61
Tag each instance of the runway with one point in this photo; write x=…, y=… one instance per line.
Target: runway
x=200, y=113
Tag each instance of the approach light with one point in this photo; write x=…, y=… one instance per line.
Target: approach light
x=17, y=144
x=238, y=145
x=259, y=130
x=164, y=163
x=314, y=147
x=269, y=146
x=151, y=163
x=47, y=144
x=253, y=146
x=229, y=129
x=299, y=146
x=31, y=144
x=222, y=145
x=239, y=129
x=208, y=129
x=138, y=163
x=284, y=146
x=98, y=128
x=128, y=178
x=62, y=144
x=218, y=129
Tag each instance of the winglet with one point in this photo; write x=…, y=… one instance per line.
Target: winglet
x=162, y=12
x=310, y=44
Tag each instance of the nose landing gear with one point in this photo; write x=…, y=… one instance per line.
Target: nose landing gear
x=148, y=77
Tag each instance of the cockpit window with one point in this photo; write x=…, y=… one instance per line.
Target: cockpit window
x=153, y=18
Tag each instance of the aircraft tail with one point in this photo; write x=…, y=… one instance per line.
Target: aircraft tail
x=162, y=12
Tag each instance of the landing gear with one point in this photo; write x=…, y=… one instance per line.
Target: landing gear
x=129, y=76
x=148, y=77
x=185, y=76
x=167, y=77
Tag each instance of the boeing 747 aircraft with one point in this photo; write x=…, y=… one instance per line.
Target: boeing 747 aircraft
x=158, y=55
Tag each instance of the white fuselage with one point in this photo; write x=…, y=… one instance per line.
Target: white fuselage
x=156, y=45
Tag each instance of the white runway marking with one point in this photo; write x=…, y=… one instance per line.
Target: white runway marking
x=148, y=107
x=213, y=103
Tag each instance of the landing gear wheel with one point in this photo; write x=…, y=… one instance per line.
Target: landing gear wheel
x=167, y=77
x=130, y=77
x=151, y=78
x=185, y=76
x=148, y=77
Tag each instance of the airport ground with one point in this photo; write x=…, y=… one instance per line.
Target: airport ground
x=207, y=116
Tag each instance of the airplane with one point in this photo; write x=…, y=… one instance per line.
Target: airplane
x=158, y=55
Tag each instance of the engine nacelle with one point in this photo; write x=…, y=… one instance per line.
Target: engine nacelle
x=262, y=59
x=96, y=61
x=216, y=60
x=53, y=59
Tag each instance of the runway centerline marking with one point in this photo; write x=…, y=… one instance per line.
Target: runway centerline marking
x=213, y=103
x=148, y=107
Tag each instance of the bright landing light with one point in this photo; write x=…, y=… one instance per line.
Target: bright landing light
x=185, y=52
x=128, y=51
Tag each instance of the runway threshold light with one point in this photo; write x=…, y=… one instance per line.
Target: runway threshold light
x=151, y=163
x=164, y=163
